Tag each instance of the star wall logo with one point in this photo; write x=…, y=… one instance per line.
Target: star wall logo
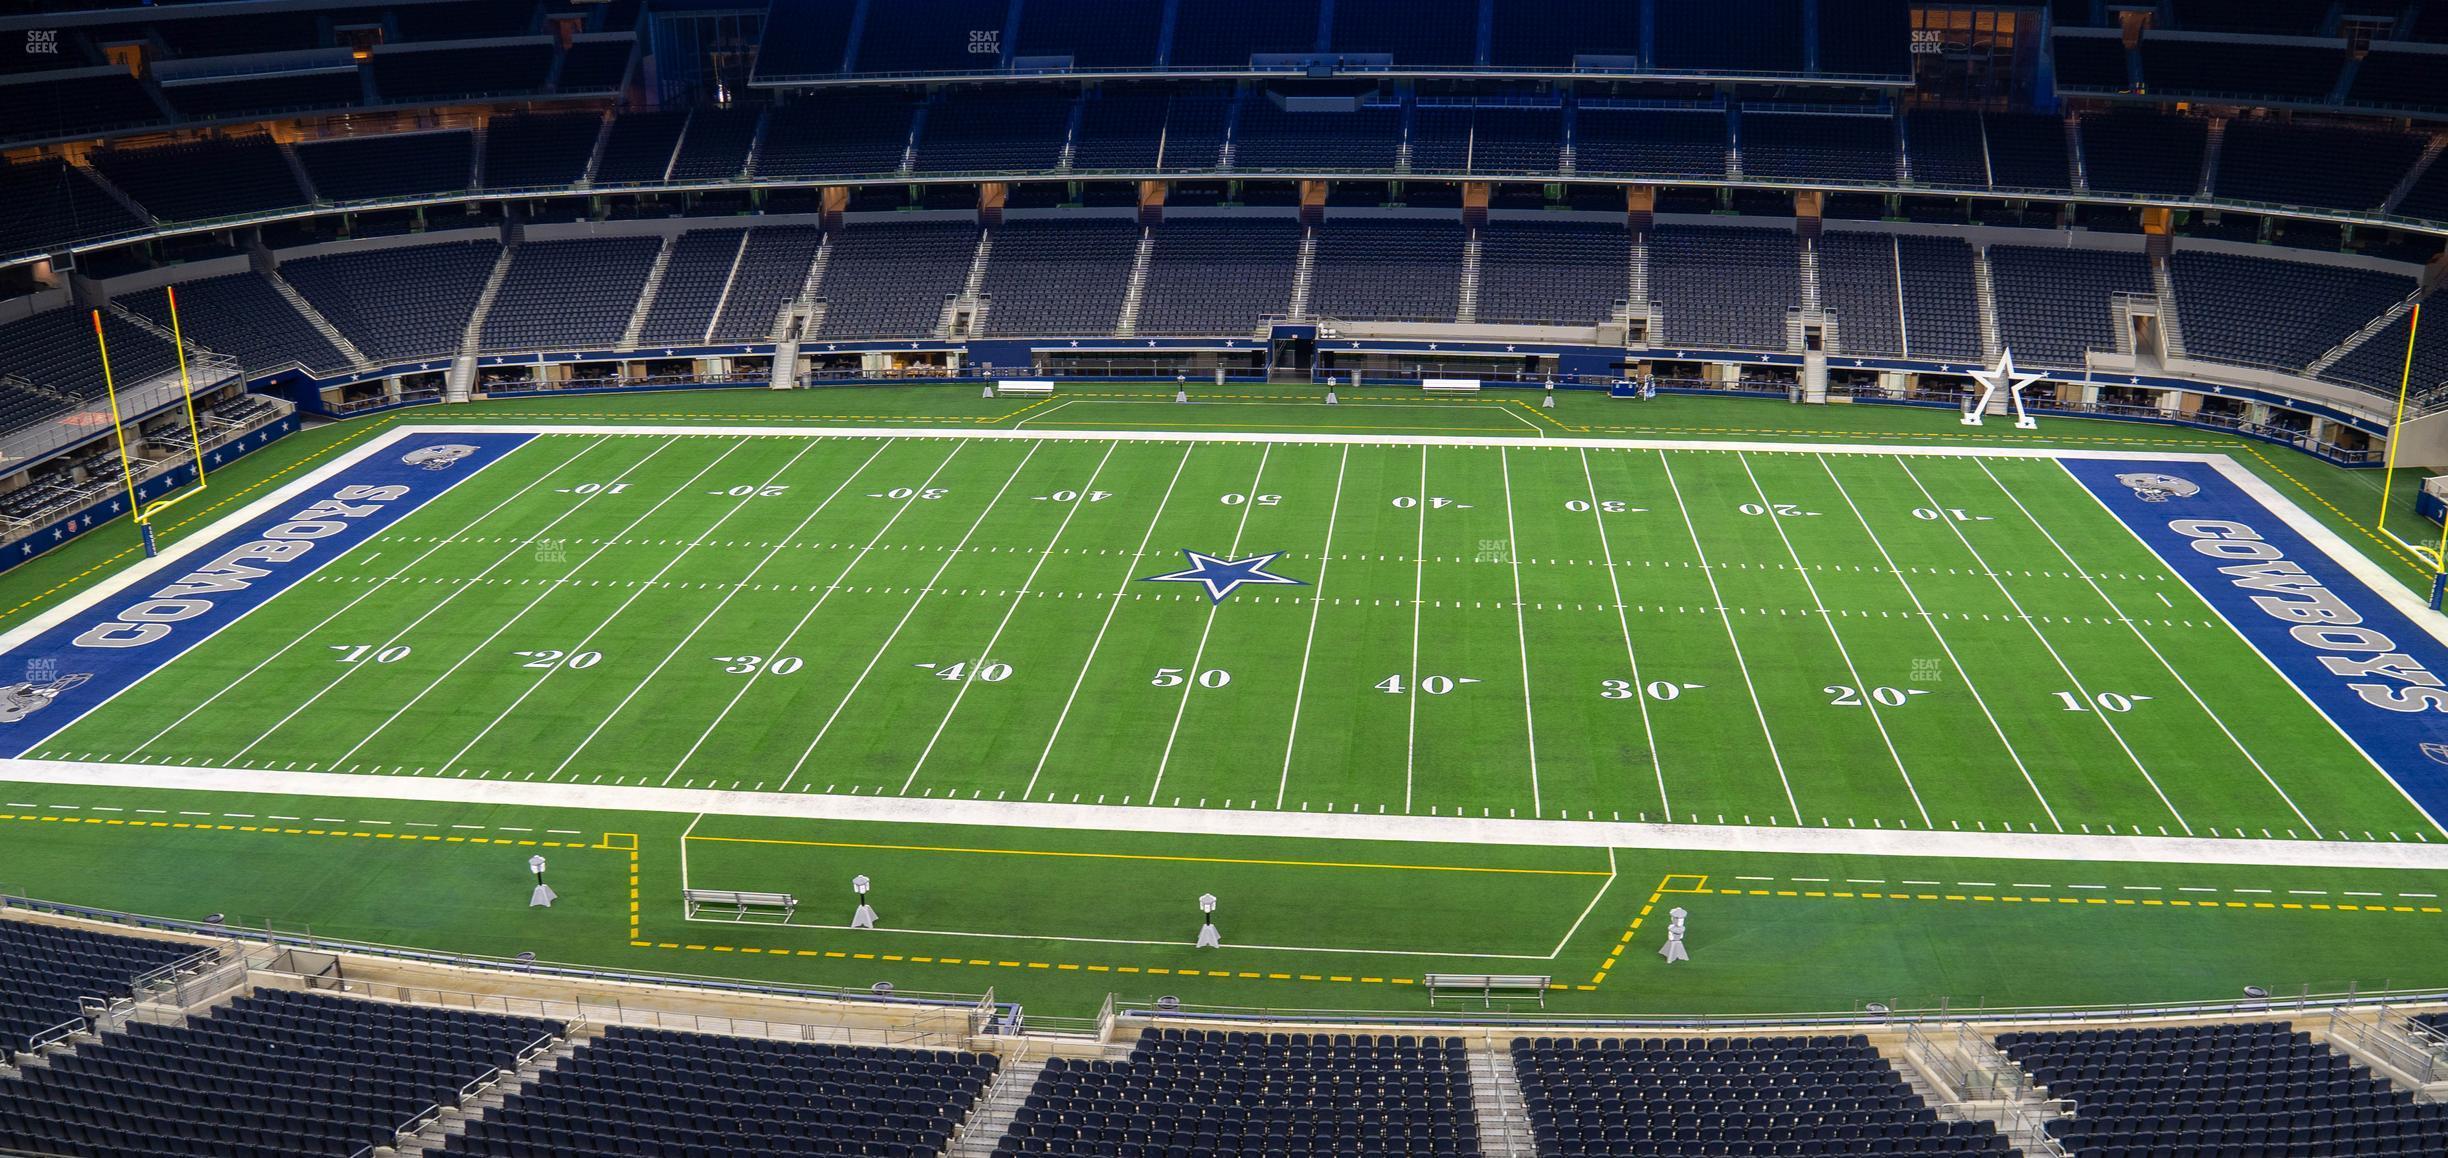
x=1221, y=576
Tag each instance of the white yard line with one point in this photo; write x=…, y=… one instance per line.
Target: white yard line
x=1742, y=665
x=1932, y=622
x=345, y=608
x=1640, y=693
x=428, y=613
x=1198, y=655
x=950, y=557
x=635, y=594
x=1112, y=607
x=1419, y=580
x=531, y=605
x=684, y=858
x=782, y=646
x=1018, y=597
x=2153, y=648
x=2029, y=621
x=717, y=609
x=1575, y=929
x=1828, y=617
x=1317, y=603
x=1521, y=630
x=1555, y=833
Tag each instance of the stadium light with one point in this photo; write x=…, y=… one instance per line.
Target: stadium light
x=864, y=917
x=543, y=896
x=1208, y=938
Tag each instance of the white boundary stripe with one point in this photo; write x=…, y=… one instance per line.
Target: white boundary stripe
x=1223, y=822
x=1828, y=617
x=2080, y=688
x=1940, y=636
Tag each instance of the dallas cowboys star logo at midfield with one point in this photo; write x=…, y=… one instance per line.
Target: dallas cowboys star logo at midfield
x=1222, y=575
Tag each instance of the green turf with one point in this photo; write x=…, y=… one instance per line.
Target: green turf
x=1794, y=934
x=1064, y=930
x=971, y=618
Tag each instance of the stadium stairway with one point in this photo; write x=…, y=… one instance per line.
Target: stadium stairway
x=1496, y=1096
x=646, y=295
x=315, y=318
x=1984, y=291
x=2354, y=341
x=2171, y=328
x=986, y=1125
x=807, y=307
x=2414, y=173
x=462, y=380
x=1127, y=326
x=453, y=1120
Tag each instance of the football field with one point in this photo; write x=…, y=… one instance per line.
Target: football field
x=1407, y=703
x=1761, y=636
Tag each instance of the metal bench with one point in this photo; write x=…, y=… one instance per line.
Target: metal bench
x=1487, y=988
x=1024, y=386
x=1450, y=385
x=737, y=904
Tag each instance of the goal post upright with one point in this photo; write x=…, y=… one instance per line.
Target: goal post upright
x=137, y=509
x=2433, y=557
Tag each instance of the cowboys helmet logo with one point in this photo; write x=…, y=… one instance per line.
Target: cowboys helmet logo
x=438, y=457
x=24, y=698
x=2159, y=488
x=2437, y=752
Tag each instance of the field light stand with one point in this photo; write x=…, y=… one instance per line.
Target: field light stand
x=865, y=916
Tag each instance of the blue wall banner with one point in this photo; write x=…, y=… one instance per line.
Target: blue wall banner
x=2358, y=656
x=50, y=680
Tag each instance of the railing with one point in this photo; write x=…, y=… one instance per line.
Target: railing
x=276, y=938
x=2374, y=1034
x=1871, y=1015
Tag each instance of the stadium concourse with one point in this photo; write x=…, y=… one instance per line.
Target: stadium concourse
x=1010, y=577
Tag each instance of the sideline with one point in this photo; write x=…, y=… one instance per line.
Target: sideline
x=1917, y=843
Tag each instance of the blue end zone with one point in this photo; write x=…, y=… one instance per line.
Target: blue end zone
x=2360, y=660
x=75, y=666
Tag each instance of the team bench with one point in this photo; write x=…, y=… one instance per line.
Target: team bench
x=1450, y=385
x=1024, y=386
x=1487, y=988
x=739, y=905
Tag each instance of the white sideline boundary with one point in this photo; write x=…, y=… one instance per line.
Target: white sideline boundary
x=1916, y=843
x=1185, y=821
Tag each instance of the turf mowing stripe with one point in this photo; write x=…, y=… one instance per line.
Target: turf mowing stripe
x=949, y=557
x=2080, y=688
x=1639, y=688
x=783, y=645
x=676, y=648
x=1198, y=655
x=1317, y=604
x=1079, y=500
x=1922, y=610
x=635, y=594
x=1504, y=463
x=1758, y=709
x=1113, y=606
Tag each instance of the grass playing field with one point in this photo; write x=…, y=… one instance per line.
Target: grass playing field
x=1717, y=637
x=1294, y=645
